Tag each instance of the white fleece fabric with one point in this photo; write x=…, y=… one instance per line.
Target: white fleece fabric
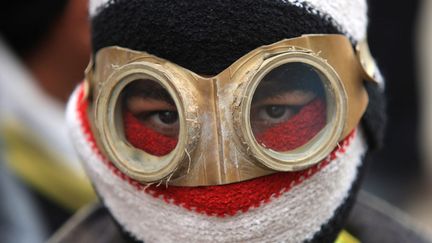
x=296, y=215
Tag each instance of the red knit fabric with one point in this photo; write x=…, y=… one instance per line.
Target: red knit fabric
x=296, y=131
x=223, y=200
x=144, y=138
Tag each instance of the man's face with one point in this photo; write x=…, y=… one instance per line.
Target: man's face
x=286, y=112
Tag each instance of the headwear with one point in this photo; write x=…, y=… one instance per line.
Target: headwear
x=206, y=37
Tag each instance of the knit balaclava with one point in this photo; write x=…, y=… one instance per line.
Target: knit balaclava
x=207, y=36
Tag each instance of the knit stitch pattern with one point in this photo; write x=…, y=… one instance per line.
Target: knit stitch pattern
x=293, y=212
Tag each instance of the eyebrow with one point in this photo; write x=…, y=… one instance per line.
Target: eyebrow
x=273, y=88
x=290, y=77
x=149, y=90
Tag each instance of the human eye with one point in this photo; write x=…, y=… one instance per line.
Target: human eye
x=150, y=117
x=278, y=109
x=158, y=115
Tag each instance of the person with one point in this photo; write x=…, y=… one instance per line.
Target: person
x=225, y=121
x=42, y=58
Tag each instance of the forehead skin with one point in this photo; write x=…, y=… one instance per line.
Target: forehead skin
x=204, y=36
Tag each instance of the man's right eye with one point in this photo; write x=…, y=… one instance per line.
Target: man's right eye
x=158, y=115
x=150, y=117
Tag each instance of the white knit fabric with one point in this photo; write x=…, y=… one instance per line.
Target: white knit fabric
x=350, y=15
x=292, y=217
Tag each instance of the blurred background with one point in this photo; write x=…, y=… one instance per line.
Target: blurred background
x=400, y=38
x=42, y=58
x=44, y=48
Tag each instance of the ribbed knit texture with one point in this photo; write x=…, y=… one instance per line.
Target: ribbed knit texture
x=294, y=212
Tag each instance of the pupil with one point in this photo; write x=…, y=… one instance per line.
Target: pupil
x=168, y=117
x=275, y=111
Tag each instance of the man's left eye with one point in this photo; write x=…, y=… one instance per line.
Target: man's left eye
x=278, y=109
x=166, y=117
x=164, y=122
x=274, y=113
x=157, y=115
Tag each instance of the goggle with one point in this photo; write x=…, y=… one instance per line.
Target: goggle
x=281, y=107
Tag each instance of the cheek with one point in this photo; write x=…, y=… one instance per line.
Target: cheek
x=146, y=139
x=298, y=130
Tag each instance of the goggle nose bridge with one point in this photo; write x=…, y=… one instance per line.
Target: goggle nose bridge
x=218, y=126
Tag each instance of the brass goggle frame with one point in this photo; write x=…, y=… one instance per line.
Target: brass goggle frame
x=215, y=142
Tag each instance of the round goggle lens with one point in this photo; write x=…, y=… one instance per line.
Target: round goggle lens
x=289, y=107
